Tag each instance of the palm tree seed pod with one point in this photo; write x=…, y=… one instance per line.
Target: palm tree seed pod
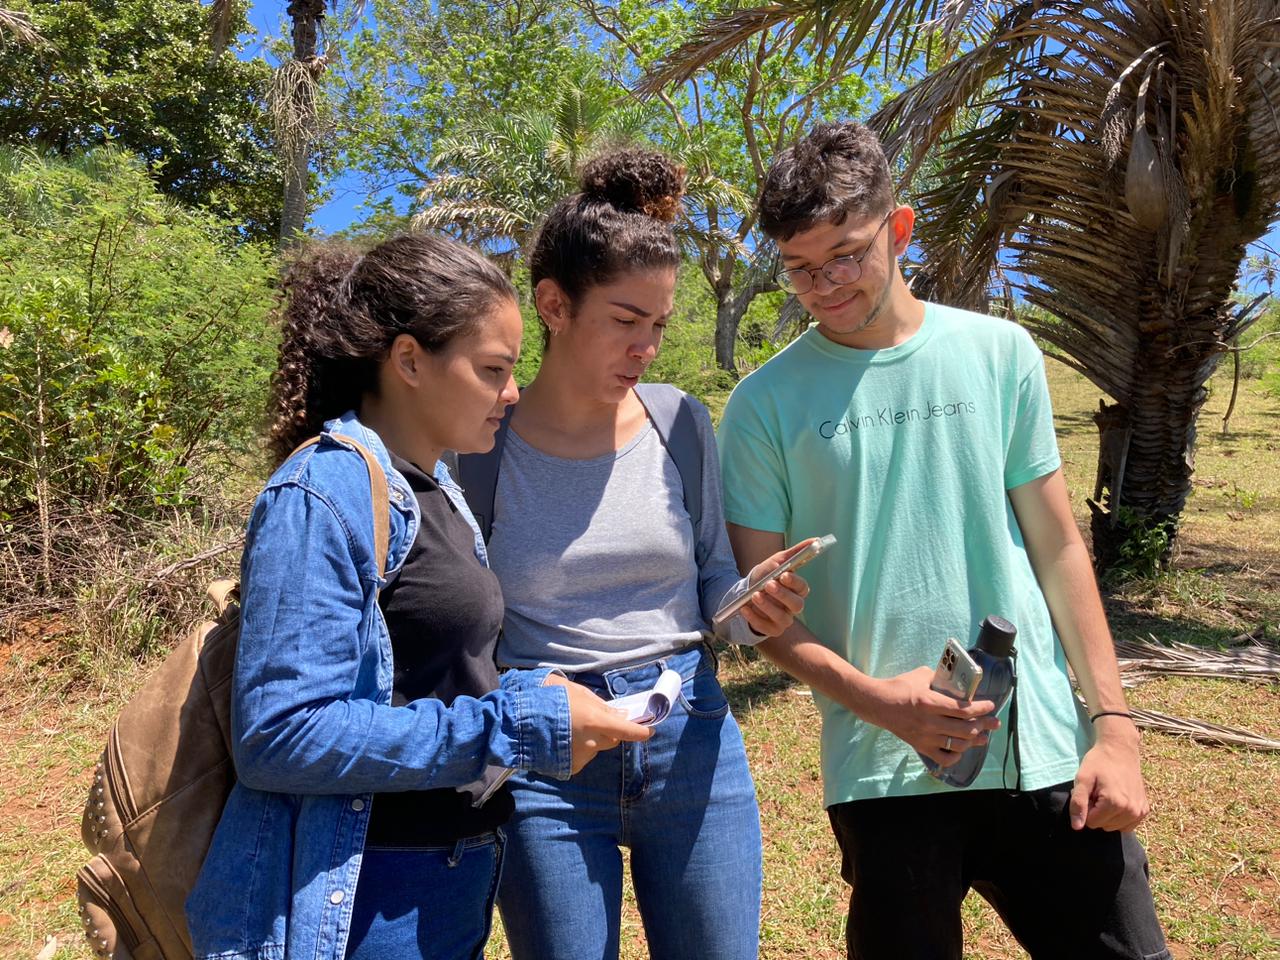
x=1144, y=187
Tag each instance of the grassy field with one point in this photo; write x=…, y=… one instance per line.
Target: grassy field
x=1213, y=838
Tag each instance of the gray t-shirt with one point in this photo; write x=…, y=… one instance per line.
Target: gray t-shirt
x=596, y=557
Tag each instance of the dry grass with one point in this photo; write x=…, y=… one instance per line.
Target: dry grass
x=1214, y=836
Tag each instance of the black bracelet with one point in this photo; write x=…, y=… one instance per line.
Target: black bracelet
x=1110, y=713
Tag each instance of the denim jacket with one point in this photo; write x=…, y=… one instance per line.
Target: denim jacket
x=314, y=734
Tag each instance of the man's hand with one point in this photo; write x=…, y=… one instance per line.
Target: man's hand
x=771, y=610
x=934, y=724
x=1109, y=793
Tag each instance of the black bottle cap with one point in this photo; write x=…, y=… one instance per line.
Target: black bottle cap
x=996, y=637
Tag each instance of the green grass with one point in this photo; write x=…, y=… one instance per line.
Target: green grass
x=1213, y=838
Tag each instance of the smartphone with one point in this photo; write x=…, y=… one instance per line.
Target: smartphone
x=957, y=674
x=798, y=560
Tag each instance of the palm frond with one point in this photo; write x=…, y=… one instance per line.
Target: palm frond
x=499, y=173
x=1202, y=731
x=18, y=25
x=1255, y=659
x=841, y=27
x=913, y=122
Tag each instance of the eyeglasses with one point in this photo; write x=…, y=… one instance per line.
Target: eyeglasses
x=837, y=270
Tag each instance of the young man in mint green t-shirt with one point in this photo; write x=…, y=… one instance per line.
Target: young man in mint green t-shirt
x=922, y=437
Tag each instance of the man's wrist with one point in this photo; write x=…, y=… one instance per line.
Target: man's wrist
x=1116, y=726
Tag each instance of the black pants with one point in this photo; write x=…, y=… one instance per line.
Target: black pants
x=1064, y=893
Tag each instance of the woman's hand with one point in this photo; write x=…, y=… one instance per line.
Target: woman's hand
x=594, y=725
x=773, y=609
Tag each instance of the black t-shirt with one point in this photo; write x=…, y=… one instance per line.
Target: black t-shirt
x=443, y=611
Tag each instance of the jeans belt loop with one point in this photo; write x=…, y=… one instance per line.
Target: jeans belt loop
x=459, y=849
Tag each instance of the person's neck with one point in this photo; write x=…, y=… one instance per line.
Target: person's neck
x=555, y=396
x=556, y=414
x=897, y=322
x=398, y=434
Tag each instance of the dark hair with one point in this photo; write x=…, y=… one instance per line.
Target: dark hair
x=620, y=220
x=836, y=169
x=344, y=309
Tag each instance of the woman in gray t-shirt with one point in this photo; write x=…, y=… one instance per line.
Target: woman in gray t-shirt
x=605, y=578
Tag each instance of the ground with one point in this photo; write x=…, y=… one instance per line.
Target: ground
x=1213, y=837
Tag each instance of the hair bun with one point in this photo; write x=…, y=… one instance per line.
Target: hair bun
x=633, y=179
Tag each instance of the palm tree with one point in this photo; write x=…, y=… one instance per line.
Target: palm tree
x=1129, y=152
x=294, y=100
x=502, y=171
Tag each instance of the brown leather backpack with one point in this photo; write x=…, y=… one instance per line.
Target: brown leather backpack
x=162, y=782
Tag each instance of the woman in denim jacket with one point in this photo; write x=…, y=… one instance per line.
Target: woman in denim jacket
x=607, y=577
x=407, y=350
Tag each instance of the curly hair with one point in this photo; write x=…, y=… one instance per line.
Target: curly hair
x=619, y=220
x=343, y=309
x=835, y=170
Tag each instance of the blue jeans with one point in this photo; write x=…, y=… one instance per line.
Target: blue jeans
x=685, y=805
x=426, y=903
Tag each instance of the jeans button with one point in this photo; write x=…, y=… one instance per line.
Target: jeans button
x=336, y=897
x=357, y=804
x=618, y=685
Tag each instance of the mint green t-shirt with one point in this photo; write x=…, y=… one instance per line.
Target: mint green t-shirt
x=906, y=454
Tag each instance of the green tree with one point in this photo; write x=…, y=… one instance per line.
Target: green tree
x=138, y=74
x=425, y=71
x=134, y=339
x=1128, y=154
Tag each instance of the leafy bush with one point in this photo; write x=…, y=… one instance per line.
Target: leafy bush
x=134, y=339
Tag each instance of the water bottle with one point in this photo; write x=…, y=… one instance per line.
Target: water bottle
x=994, y=653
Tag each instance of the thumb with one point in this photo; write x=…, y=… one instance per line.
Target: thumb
x=1080, y=793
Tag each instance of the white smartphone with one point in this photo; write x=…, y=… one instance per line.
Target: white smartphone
x=957, y=674
x=818, y=546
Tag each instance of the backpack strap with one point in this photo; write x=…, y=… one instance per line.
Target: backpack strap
x=377, y=490
x=672, y=413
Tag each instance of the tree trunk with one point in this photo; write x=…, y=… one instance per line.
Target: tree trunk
x=1147, y=447
x=40, y=468
x=728, y=317
x=307, y=16
x=731, y=307
x=293, y=218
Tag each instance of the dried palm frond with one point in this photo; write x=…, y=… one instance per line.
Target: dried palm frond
x=1202, y=731
x=18, y=25
x=221, y=14
x=1255, y=660
x=294, y=101
x=792, y=320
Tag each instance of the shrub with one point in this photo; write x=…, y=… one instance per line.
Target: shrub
x=135, y=339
